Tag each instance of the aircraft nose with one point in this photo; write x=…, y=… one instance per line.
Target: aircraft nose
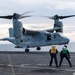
x=67, y=40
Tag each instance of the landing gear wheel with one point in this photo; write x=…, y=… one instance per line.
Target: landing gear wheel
x=38, y=48
x=26, y=50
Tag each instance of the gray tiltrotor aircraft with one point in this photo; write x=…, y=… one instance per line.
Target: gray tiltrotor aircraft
x=24, y=38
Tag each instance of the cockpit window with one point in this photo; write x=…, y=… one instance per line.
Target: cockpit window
x=60, y=34
x=57, y=34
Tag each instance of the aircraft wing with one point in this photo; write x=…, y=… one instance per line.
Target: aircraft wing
x=34, y=32
x=53, y=29
x=31, y=32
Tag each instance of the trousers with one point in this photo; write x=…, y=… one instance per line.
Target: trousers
x=53, y=56
x=67, y=58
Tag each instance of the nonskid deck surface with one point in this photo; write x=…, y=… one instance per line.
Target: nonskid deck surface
x=33, y=63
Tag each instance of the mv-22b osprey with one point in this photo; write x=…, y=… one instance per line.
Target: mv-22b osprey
x=23, y=38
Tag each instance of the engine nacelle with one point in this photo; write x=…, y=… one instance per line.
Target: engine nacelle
x=58, y=24
x=18, y=32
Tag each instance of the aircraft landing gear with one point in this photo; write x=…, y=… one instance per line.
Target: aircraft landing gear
x=38, y=48
x=26, y=50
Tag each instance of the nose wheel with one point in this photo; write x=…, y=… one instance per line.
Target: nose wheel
x=26, y=50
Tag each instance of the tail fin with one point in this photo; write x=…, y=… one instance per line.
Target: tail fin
x=11, y=33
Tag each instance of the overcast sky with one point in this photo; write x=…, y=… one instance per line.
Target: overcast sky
x=40, y=7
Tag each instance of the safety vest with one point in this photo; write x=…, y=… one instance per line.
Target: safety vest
x=53, y=50
x=64, y=51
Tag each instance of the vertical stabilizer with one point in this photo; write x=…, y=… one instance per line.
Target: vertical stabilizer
x=11, y=33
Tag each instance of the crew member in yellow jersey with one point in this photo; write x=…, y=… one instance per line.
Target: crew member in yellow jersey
x=53, y=53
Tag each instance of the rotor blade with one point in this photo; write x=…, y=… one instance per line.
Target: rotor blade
x=48, y=17
x=44, y=16
x=25, y=16
x=58, y=17
x=62, y=17
x=7, y=17
x=27, y=12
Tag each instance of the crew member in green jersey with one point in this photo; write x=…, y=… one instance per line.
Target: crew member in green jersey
x=65, y=54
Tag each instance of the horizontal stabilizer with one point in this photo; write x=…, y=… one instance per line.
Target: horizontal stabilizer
x=12, y=40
